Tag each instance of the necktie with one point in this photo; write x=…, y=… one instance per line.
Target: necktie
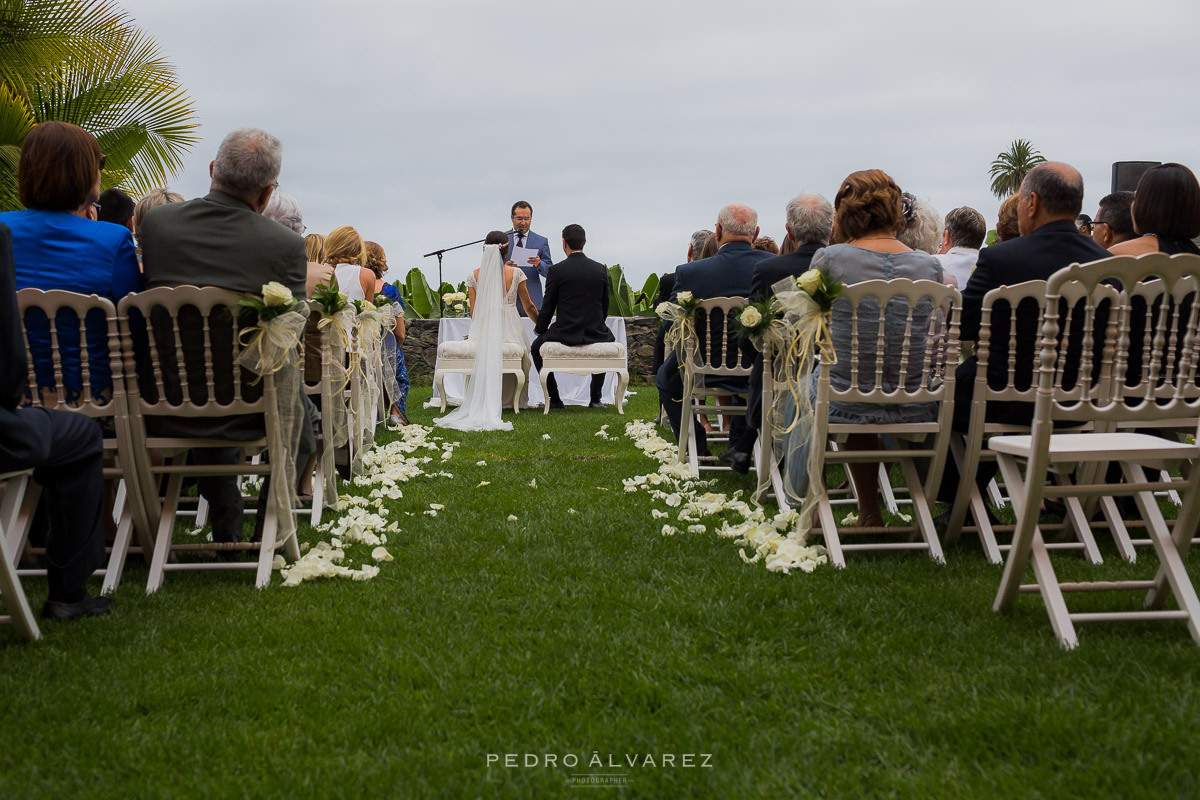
x=520, y=240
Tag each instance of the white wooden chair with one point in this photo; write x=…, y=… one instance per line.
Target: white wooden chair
x=191, y=371
x=12, y=491
x=1108, y=395
x=766, y=448
x=968, y=450
x=714, y=353
x=587, y=359
x=458, y=357
x=68, y=315
x=889, y=362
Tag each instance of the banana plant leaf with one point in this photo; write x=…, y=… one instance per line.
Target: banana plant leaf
x=421, y=300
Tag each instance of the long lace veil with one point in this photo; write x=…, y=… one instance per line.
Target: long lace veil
x=480, y=409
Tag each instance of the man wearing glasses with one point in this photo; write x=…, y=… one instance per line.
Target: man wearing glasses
x=536, y=267
x=1114, y=221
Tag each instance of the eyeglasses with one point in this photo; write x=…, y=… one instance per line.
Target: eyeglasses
x=522, y=219
x=96, y=206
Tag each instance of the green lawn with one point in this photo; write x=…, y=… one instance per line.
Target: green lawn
x=569, y=634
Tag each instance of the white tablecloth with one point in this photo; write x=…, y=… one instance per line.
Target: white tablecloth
x=574, y=389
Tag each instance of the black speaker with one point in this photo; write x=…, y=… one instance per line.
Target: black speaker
x=1126, y=174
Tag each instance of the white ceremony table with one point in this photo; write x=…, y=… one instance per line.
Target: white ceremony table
x=573, y=389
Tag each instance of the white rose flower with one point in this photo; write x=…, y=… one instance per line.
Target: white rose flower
x=684, y=297
x=750, y=317
x=810, y=281
x=458, y=306
x=276, y=294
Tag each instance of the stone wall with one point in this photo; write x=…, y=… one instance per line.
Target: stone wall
x=420, y=348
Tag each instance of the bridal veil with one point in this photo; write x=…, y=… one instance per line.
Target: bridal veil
x=480, y=409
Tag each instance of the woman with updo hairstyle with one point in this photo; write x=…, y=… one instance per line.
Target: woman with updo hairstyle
x=314, y=248
x=54, y=247
x=1007, y=227
x=868, y=218
x=345, y=251
x=377, y=263
x=1165, y=211
x=152, y=199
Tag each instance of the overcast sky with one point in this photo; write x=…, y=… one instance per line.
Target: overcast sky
x=421, y=123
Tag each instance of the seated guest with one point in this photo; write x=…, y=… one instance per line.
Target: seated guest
x=377, y=263
x=709, y=248
x=729, y=273
x=65, y=450
x=223, y=240
x=577, y=292
x=665, y=284
x=868, y=221
x=767, y=245
x=809, y=226
x=1006, y=221
x=1048, y=203
x=58, y=172
x=965, y=229
x=788, y=245
x=314, y=247
x=152, y=199
x=1113, y=223
x=1084, y=223
x=1165, y=212
x=284, y=209
x=345, y=251
x=116, y=207
x=922, y=224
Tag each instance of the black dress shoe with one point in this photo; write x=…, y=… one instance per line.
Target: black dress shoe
x=595, y=404
x=739, y=462
x=556, y=403
x=87, y=607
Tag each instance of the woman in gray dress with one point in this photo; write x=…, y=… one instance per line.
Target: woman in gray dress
x=867, y=220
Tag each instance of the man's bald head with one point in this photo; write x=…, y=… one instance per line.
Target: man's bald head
x=737, y=222
x=1051, y=191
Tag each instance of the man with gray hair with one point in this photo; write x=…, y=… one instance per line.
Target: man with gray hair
x=727, y=274
x=223, y=240
x=809, y=226
x=965, y=229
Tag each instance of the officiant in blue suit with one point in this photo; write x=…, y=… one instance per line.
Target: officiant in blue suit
x=521, y=236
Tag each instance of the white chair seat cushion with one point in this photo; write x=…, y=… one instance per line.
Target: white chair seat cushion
x=466, y=349
x=595, y=350
x=1071, y=447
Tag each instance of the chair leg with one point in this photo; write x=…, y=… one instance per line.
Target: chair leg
x=440, y=381
x=1171, y=570
x=962, y=494
x=517, y=392
x=120, y=551
x=833, y=544
x=166, y=527
x=922, y=514
x=1018, y=553
x=987, y=535
x=266, y=553
x=1079, y=522
x=622, y=385
x=1120, y=533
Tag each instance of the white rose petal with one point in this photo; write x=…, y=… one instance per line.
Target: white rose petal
x=482, y=484
x=512, y=517
x=481, y=463
x=668, y=530
x=436, y=506
x=381, y=554
x=533, y=484
x=545, y=436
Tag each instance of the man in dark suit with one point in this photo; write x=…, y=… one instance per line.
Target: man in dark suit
x=539, y=265
x=223, y=240
x=65, y=450
x=577, y=289
x=727, y=274
x=809, y=225
x=1050, y=199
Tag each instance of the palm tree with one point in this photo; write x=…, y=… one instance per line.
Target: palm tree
x=1011, y=167
x=81, y=61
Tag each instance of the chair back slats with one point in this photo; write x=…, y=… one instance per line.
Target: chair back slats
x=888, y=354
x=716, y=350
x=192, y=337
x=1145, y=310
x=80, y=386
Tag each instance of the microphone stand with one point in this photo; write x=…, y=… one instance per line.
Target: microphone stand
x=439, y=254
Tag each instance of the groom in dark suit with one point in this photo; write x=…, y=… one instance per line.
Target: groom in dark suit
x=539, y=265
x=577, y=289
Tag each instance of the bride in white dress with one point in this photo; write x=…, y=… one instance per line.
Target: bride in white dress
x=493, y=290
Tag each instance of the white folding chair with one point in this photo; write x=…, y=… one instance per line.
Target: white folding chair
x=889, y=362
x=714, y=353
x=1000, y=305
x=1073, y=388
x=191, y=371
x=12, y=489
x=68, y=316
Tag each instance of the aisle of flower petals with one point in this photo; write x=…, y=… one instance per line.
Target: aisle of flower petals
x=675, y=486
